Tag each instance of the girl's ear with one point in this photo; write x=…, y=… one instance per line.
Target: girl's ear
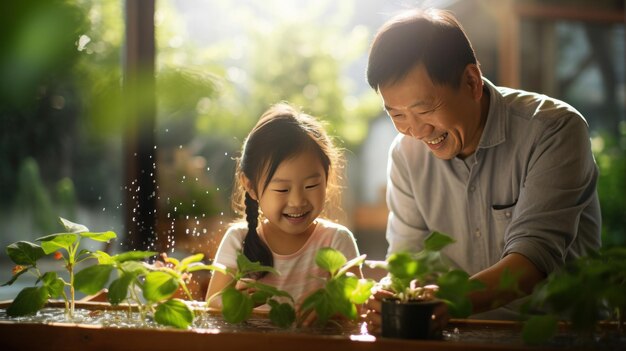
x=247, y=184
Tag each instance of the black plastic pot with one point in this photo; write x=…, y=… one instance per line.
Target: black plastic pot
x=409, y=320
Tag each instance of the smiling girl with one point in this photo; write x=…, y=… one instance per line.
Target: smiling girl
x=286, y=174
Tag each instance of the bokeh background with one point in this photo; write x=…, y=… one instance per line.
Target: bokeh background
x=126, y=115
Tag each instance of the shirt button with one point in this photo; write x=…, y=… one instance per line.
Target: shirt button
x=477, y=233
x=507, y=214
x=472, y=188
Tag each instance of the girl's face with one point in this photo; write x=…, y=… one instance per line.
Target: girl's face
x=295, y=195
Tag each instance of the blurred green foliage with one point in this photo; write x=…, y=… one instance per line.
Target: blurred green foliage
x=62, y=103
x=610, y=154
x=37, y=58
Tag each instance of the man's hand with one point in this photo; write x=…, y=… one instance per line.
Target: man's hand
x=373, y=310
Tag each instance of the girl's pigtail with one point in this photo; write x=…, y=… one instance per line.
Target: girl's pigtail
x=253, y=247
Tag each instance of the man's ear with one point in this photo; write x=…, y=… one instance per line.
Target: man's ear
x=473, y=80
x=247, y=184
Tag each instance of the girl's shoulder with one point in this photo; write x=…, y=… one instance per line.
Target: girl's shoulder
x=237, y=229
x=325, y=225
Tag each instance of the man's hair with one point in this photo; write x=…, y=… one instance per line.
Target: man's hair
x=432, y=37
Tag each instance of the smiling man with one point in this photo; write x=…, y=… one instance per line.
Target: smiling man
x=509, y=174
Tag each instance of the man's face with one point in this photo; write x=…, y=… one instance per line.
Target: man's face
x=446, y=120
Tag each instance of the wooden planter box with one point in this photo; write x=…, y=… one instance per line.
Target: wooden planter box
x=496, y=335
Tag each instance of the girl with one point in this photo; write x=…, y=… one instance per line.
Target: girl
x=285, y=174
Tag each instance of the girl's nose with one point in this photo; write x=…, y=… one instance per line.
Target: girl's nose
x=296, y=198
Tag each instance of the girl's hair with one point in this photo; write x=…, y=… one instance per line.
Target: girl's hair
x=432, y=37
x=281, y=133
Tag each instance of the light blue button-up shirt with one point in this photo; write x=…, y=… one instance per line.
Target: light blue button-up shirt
x=530, y=188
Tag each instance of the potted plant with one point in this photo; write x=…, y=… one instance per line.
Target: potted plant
x=421, y=282
x=587, y=293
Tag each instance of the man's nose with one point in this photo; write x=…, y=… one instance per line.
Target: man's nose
x=418, y=129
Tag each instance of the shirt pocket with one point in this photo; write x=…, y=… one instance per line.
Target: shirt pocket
x=501, y=217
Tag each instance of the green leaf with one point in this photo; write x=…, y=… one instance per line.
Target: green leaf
x=173, y=261
x=133, y=256
x=102, y=236
x=357, y=261
x=200, y=267
x=320, y=302
x=16, y=275
x=93, y=278
x=54, y=242
x=539, y=329
x=28, y=301
x=25, y=253
x=324, y=308
x=312, y=300
x=220, y=268
x=330, y=259
x=133, y=267
x=185, y=262
x=103, y=257
x=362, y=292
x=245, y=266
x=454, y=287
x=174, y=313
x=282, y=314
x=437, y=241
x=339, y=292
x=159, y=286
x=53, y=283
x=402, y=265
x=260, y=297
x=271, y=290
x=118, y=289
x=236, y=306
x=72, y=227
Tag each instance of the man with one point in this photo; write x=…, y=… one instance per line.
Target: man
x=508, y=174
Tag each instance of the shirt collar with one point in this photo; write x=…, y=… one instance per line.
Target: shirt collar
x=494, y=132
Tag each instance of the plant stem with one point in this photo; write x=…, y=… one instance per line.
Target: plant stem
x=184, y=286
x=70, y=268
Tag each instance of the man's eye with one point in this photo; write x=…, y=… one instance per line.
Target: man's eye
x=280, y=190
x=426, y=112
x=312, y=186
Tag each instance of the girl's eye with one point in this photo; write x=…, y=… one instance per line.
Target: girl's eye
x=280, y=190
x=312, y=186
